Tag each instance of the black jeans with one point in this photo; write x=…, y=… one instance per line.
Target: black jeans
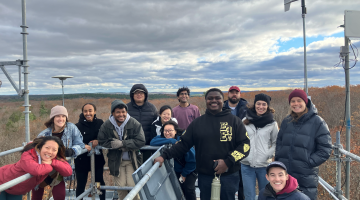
x=81, y=179
x=188, y=187
x=241, y=195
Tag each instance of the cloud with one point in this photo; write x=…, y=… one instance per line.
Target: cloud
x=111, y=45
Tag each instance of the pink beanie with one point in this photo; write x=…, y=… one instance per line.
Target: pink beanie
x=58, y=110
x=298, y=93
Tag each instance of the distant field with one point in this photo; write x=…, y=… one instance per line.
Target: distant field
x=330, y=102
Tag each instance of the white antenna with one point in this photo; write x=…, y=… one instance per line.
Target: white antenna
x=62, y=78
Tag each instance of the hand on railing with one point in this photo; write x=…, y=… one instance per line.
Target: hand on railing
x=160, y=160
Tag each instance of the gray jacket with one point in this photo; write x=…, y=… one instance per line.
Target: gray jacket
x=133, y=140
x=262, y=143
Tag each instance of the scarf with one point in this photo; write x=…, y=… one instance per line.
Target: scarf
x=259, y=121
x=119, y=129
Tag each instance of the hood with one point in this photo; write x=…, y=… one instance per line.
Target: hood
x=312, y=111
x=116, y=103
x=241, y=103
x=138, y=86
x=290, y=186
x=225, y=111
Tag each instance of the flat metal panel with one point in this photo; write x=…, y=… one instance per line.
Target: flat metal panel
x=352, y=23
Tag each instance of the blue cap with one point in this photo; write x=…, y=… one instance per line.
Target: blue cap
x=275, y=164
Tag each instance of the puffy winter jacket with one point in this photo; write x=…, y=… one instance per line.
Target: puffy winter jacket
x=144, y=114
x=156, y=127
x=262, y=142
x=29, y=163
x=302, y=146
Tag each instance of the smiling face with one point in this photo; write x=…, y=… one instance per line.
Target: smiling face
x=234, y=96
x=49, y=150
x=59, y=121
x=277, y=177
x=165, y=116
x=297, y=105
x=119, y=115
x=214, y=102
x=261, y=107
x=89, y=112
x=183, y=97
x=139, y=97
x=169, y=131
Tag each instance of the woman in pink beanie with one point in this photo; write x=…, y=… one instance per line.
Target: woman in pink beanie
x=303, y=142
x=70, y=135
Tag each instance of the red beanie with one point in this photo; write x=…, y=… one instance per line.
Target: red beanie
x=298, y=93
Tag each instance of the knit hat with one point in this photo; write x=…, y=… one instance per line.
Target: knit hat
x=262, y=97
x=234, y=88
x=275, y=164
x=298, y=93
x=58, y=110
x=116, y=103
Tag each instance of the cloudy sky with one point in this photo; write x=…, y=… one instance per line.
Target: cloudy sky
x=109, y=45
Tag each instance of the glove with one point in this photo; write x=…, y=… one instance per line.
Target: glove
x=69, y=152
x=115, y=144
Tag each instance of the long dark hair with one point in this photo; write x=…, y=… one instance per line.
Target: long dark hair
x=178, y=130
x=38, y=143
x=50, y=122
x=252, y=108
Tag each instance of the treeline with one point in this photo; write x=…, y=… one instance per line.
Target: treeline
x=51, y=97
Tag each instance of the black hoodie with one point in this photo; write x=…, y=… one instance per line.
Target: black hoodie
x=89, y=131
x=220, y=136
x=144, y=114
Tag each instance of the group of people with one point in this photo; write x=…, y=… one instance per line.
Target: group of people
x=232, y=140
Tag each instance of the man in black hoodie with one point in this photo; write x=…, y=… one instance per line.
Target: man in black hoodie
x=143, y=111
x=219, y=137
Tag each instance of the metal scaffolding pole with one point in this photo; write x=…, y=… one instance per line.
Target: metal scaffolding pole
x=303, y=8
x=348, y=117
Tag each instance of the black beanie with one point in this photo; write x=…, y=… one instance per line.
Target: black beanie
x=262, y=97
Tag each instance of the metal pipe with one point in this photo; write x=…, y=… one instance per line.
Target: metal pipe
x=304, y=35
x=327, y=189
x=11, y=151
x=20, y=91
x=62, y=85
x=25, y=65
x=148, y=147
x=348, y=117
x=104, y=187
x=350, y=155
x=86, y=192
x=338, y=165
x=142, y=182
x=16, y=181
x=92, y=160
x=10, y=78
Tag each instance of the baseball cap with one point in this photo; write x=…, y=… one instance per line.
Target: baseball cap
x=234, y=88
x=275, y=164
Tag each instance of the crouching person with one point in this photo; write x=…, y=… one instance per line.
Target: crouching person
x=124, y=136
x=281, y=185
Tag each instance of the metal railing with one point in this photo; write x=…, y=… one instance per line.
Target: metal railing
x=336, y=191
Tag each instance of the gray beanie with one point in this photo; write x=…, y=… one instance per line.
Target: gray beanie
x=117, y=103
x=58, y=110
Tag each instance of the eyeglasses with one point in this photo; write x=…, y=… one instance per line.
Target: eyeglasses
x=139, y=93
x=168, y=131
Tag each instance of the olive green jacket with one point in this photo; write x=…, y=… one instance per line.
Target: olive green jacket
x=133, y=139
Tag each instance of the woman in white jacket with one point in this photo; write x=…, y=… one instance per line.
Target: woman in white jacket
x=262, y=130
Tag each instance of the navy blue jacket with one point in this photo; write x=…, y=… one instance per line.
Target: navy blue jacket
x=302, y=146
x=240, y=107
x=267, y=194
x=189, y=158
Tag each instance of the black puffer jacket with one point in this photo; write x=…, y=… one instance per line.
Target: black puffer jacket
x=240, y=107
x=302, y=146
x=89, y=131
x=144, y=114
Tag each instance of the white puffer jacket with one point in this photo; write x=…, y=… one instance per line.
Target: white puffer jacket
x=262, y=144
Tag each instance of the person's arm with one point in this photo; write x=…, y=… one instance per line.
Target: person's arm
x=279, y=138
x=138, y=141
x=190, y=164
x=30, y=165
x=242, y=144
x=273, y=136
x=153, y=130
x=323, y=145
x=61, y=166
x=77, y=141
x=103, y=138
x=158, y=141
